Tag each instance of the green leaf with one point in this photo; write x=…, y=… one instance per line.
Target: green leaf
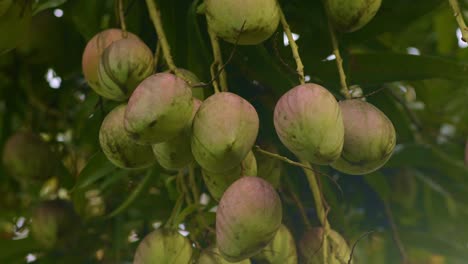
x=42, y=5
x=97, y=167
x=142, y=186
x=379, y=184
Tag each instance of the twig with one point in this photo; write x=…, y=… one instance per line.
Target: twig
x=183, y=185
x=175, y=210
x=301, y=208
x=395, y=234
x=297, y=164
x=294, y=48
x=459, y=17
x=277, y=53
x=193, y=184
x=157, y=53
x=123, y=25
x=372, y=93
x=355, y=243
x=221, y=69
x=339, y=61
x=166, y=49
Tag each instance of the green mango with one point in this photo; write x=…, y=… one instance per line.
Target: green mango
x=351, y=15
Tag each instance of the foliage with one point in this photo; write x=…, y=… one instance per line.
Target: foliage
x=421, y=190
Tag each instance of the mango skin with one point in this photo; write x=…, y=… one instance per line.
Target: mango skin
x=226, y=17
x=53, y=222
x=118, y=147
x=123, y=66
x=27, y=158
x=163, y=246
x=218, y=182
x=212, y=256
x=282, y=250
x=224, y=131
x=176, y=153
x=351, y=15
x=92, y=56
x=249, y=215
x=159, y=109
x=309, y=123
x=369, y=138
x=310, y=247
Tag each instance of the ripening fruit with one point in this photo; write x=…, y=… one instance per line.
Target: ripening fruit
x=351, y=15
x=118, y=147
x=192, y=79
x=224, y=131
x=176, y=153
x=159, y=109
x=369, y=138
x=27, y=158
x=310, y=247
x=211, y=255
x=308, y=121
x=248, y=216
x=282, y=250
x=163, y=246
x=218, y=182
x=124, y=65
x=53, y=223
x=226, y=17
x=92, y=56
x=15, y=21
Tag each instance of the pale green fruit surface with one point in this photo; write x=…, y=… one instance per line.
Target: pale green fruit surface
x=351, y=15
x=224, y=131
x=176, y=153
x=164, y=246
x=311, y=252
x=159, y=109
x=309, y=123
x=369, y=138
x=218, y=182
x=212, y=256
x=226, y=17
x=52, y=222
x=118, y=147
x=247, y=218
x=282, y=250
x=192, y=79
x=122, y=67
x=93, y=52
x=27, y=158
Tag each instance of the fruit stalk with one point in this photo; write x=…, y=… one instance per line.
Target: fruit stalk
x=319, y=206
x=166, y=49
x=123, y=25
x=217, y=65
x=459, y=17
x=294, y=47
x=339, y=61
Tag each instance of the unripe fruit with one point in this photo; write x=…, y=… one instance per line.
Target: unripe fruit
x=224, y=131
x=159, y=109
x=92, y=56
x=192, y=79
x=311, y=251
x=226, y=17
x=282, y=250
x=212, y=256
x=308, y=121
x=369, y=138
x=163, y=246
x=351, y=15
x=14, y=23
x=248, y=216
x=176, y=153
x=218, y=182
x=27, y=158
x=118, y=147
x=53, y=223
x=124, y=65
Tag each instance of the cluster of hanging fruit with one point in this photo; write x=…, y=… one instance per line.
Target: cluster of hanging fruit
x=160, y=121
